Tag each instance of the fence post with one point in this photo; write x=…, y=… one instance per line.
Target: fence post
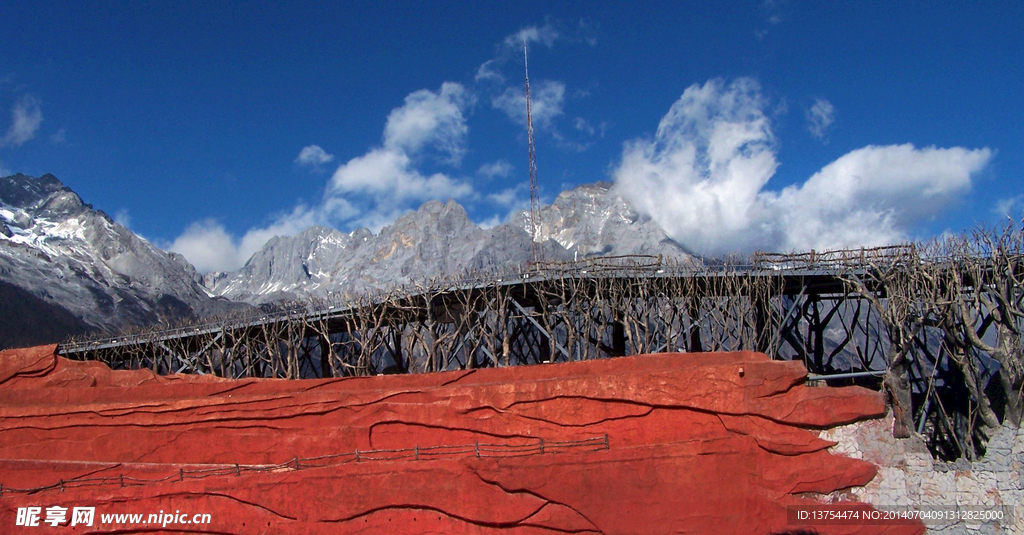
x=606, y=441
x=181, y=474
x=416, y=449
x=121, y=477
x=238, y=470
x=357, y=455
x=476, y=447
x=541, y=445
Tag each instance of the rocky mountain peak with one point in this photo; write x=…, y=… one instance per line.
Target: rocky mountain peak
x=74, y=258
x=23, y=191
x=440, y=239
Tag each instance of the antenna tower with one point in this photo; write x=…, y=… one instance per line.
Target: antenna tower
x=535, y=247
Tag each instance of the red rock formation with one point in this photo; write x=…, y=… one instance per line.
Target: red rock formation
x=667, y=443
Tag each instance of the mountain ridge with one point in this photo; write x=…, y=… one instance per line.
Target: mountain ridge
x=61, y=257
x=439, y=239
x=73, y=257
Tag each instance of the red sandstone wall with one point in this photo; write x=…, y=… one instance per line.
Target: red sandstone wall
x=696, y=443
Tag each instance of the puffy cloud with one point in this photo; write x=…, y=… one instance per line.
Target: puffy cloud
x=703, y=178
x=208, y=246
x=582, y=125
x=59, y=137
x=1009, y=207
x=25, y=120
x=388, y=177
x=490, y=222
x=429, y=118
x=516, y=196
x=123, y=217
x=511, y=48
x=546, y=99
x=820, y=116
x=370, y=190
x=313, y=156
x=489, y=71
x=386, y=180
x=508, y=201
x=873, y=195
x=498, y=169
x=547, y=96
x=546, y=35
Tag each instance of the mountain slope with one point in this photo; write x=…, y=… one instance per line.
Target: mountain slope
x=68, y=255
x=26, y=320
x=439, y=239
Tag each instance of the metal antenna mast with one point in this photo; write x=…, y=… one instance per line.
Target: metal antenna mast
x=535, y=246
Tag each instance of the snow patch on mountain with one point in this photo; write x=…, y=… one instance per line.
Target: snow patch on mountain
x=66, y=253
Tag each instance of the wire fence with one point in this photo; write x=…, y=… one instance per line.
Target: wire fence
x=415, y=453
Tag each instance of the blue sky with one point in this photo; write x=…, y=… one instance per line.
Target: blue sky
x=736, y=125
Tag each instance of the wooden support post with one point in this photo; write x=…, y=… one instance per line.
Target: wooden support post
x=693, y=310
x=325, y=357
x=618, y=339
x=538, y=326
x=762, y=327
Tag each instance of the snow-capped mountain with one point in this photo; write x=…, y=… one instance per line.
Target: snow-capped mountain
x=60, y=254
x=72, y=268
x=439, y=239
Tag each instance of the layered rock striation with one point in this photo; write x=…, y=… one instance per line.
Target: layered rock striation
x=668, y=443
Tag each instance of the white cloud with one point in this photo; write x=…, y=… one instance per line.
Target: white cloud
x=370, y=190
x=208, y=246
x=25, y=120
x=820, y=116
x=490, y=222
x=516, y=196
x=587, y=31
x=546, y=35
x=429, y=118
x=498, y=169
x=386, y=179
x=1009, y=207
x=546, y=99
x=511, y=49
x=582, y=125
x=123, y=217
x=313, y=156
x=387, y=176
x=547, y=96
x=508, y=201
x=59, y=137
x=873, y=195
x=488, y=70
x=704, y=174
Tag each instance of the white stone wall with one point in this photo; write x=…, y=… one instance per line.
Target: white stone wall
x=908, y=477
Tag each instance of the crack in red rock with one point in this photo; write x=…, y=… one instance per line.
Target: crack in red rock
x=462, y=375
x=229, y=497
x=446, y=428
x=538, y=496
